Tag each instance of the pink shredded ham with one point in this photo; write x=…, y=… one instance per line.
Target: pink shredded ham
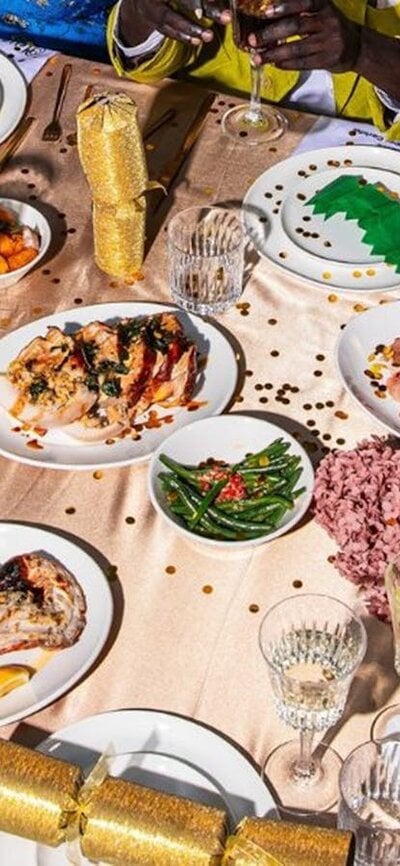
x=357, y=500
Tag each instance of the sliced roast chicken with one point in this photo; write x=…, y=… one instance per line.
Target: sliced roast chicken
x=41, y=604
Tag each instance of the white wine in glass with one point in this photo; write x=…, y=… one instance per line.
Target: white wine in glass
x=253, y=123
x=313, y=645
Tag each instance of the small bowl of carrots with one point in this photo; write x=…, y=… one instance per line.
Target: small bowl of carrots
x=24, y=239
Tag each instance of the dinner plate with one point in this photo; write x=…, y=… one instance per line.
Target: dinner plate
x=377, y=326
x=284, y=229
x=57, y=670
x=58, y=450
x=169, y=753
x=13, y=96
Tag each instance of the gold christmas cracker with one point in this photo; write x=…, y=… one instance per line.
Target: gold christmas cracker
x=127, y=824
x=38, y=794
x=276, y=843
x=112, y=156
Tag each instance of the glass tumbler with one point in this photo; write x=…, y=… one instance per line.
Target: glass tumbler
x=206, y=253
x=392, y=585
x=369, y=785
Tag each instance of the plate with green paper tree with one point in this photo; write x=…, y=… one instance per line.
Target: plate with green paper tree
x=331, y=217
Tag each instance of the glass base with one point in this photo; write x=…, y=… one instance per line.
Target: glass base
x=203, y=308
x=251, y=129
x=299, y=793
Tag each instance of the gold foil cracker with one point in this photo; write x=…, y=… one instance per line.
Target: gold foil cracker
x=128, y=824
x=113, y=158
x=38, y=794
x=289, y=844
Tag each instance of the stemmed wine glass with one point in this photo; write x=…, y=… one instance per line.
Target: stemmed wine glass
x=253, y=123
x=313, y=645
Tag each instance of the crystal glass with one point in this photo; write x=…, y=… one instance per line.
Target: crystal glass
x=392, y=585
x=206, y=250
x=370, y=802
x=386, y=724
x=313, y=645
x=253, y=123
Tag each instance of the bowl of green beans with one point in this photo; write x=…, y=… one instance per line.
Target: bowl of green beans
x=231, y=481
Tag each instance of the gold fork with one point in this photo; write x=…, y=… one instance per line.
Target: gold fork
x=53, y=130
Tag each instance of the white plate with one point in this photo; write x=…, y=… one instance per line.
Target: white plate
x=356, y=342
x=174, y=754
x=228, y=438
x=61, y=451
x=281, y=225
x=27, y=216
x=62, y=668
x=13, y=96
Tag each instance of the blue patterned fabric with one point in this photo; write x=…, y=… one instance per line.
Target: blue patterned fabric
x=72, y=26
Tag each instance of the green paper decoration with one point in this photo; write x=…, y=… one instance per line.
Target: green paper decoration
x=374, y=207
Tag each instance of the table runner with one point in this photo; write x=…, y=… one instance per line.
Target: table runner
x=187, y=617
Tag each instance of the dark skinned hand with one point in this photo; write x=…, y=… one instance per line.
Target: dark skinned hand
x=328, y=39
x=178, y=20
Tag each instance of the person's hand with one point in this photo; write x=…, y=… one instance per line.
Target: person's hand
x=328, y=39
x=178, y=20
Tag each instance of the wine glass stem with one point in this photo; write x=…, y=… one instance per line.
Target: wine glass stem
x=305, y=766
x=254, y=113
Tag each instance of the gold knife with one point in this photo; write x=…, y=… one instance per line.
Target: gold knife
x=9, y=148
x=171, y=169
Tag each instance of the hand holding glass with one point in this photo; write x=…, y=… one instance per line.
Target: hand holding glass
x=313, y=645
x=253, y=123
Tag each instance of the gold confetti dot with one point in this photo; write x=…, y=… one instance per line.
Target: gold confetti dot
x=70, y=510
x=332, y=298
x=283, y=255
x=207, y=589
x=150, y=146
x=112, y=572
x=208, y=190
x=5, y=322
x=360, y=308
x=370, y=272
x=130, y=520
x=341, y=414
x=357, y=274
x=37, y=310
x=170, y=569
x=327, y=275
x=98, y=474
x=254, y=608
x=297, y=584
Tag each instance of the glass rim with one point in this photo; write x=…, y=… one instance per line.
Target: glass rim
x=384, y=711
x=315, y=595
x=214, y=209
x=362, y=822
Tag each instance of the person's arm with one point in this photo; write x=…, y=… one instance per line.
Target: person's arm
x=328, y=40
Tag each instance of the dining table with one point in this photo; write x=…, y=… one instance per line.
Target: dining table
x=184, y=634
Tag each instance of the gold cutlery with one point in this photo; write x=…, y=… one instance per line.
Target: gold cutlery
x=171, y=169
x=53, y=130
x=164, y=118
x=10, y=146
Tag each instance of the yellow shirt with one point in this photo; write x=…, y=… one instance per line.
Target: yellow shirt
x=221, y=66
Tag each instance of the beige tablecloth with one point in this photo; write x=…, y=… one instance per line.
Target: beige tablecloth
x=176, y=645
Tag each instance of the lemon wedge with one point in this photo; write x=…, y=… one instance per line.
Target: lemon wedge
x=13, y=676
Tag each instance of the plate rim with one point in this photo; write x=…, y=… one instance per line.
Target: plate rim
x=115, y=306
x=176, y=720
x=107, y=615
x=382, y=310
x=325, y=152
x=19, y=81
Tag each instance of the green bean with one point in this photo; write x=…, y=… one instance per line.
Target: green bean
x=188, y=498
